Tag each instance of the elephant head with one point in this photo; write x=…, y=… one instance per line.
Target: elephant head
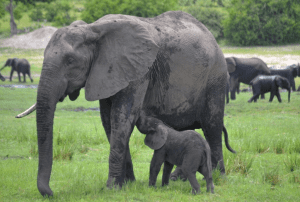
x=283, y=83
x=103, y=57
x=7, y=63
x=231, y=65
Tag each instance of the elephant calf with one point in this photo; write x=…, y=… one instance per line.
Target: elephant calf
x=262, y=84
x=19, y=65
x=187, y=149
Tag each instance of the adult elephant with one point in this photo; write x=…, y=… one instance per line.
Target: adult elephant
x=288, y=72
x=169, y=67
x=244, y=70
x=20, y=66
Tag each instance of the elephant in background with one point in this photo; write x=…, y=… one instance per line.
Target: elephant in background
x=289, y=72
x=1, y=77
x=244, y=70
x=187, y=149
x=170, y=67
x=19, y=65
x=262, y=84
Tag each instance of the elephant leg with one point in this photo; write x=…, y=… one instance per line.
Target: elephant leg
x=272, y=96
x=19, y=75
x=125, y=107
x=232, y=94
x=238, y=88
x=166, y=173
x=156, y=162
x=293, y=84
x=278, y=96
x=262, y=96
x=178, y=174
x=105, y=109
x=254, y=97
x=11, y=73
x=24, y=80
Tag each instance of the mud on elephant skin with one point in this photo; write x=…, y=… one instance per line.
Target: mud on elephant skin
x=244, y=70
x=169, y=66
x=262, y=84
x=186, y=148
x=20, y=66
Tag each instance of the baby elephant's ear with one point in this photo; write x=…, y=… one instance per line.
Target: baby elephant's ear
x=155, y=140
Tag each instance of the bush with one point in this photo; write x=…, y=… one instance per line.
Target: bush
x=36, y=14
x=210, y=13
x=58, y=12
x=263, y=22
x=141, y=8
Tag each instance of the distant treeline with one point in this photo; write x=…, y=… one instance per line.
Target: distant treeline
x=240, y=22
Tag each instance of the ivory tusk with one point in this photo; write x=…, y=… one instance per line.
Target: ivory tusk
x=28, y=111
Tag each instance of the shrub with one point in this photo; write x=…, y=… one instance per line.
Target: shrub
x=210, y=13
x=141, y=8
x=263, y=22
x=58, y=12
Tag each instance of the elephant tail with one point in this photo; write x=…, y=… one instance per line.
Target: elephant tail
x=208, y=160
x=226, y=140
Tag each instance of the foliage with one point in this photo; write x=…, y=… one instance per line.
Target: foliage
x=263, y=22
x=141, y=8
x=2, y=8
x=210, y=13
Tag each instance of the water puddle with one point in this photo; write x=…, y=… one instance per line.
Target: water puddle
x=82, y=109
x=18, y=86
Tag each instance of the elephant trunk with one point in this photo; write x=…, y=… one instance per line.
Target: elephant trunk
x=289, y=96
x=47, y=98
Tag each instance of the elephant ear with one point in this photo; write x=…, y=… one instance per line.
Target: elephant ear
x=231, y=65
x=125, y=52
x=278, y=81
x=156, y=139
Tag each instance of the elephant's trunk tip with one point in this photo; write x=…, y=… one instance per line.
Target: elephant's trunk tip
x=28, y=111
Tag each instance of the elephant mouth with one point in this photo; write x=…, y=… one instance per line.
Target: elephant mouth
x=62, y=98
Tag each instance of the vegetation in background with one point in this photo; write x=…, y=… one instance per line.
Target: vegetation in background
x=210, y=12
x=95, y=9
x=263, y=22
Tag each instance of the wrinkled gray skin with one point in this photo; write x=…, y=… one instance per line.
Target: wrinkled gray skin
x=263, y=84
x=1, y=77
x=169, y=66
x=244, y=70
x=289, y=72
x=20, y=66
x=187, y=149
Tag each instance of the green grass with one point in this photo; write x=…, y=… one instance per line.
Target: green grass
x=265, y=136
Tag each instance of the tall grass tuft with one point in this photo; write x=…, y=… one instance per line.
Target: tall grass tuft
x=272, y=176
x=292, y=162
x=240, y=164
x=279, y=146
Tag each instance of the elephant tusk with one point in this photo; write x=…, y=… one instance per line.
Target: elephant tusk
x=28, y=111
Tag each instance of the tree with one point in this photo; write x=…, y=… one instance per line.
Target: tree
x=263, y=22
x=95, y=9
x=10, y=8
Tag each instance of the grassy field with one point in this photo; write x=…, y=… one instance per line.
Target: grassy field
x=265, y=136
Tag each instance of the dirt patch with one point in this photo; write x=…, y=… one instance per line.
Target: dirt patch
x=271, y=60
x=37, y=39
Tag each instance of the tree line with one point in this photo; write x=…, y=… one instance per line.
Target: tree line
x=240, y=22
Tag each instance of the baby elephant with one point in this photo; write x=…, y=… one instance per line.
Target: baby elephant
x=187, y=149
x=19, y=65
x=262, y=84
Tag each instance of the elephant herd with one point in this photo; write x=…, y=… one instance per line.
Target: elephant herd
x=263, y=79
x=18, y=65
x=165, y=75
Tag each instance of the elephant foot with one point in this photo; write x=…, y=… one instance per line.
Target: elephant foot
x=129, y=178
x=178, y=174
x=112, y=183
x=44, y=189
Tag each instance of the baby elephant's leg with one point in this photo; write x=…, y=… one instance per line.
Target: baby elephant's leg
x=156, y=162
x=166, y=173
x=178, y=174
x=204, y=170
x=189, y=168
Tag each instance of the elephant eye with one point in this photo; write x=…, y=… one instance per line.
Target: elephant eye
x=70, y=61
